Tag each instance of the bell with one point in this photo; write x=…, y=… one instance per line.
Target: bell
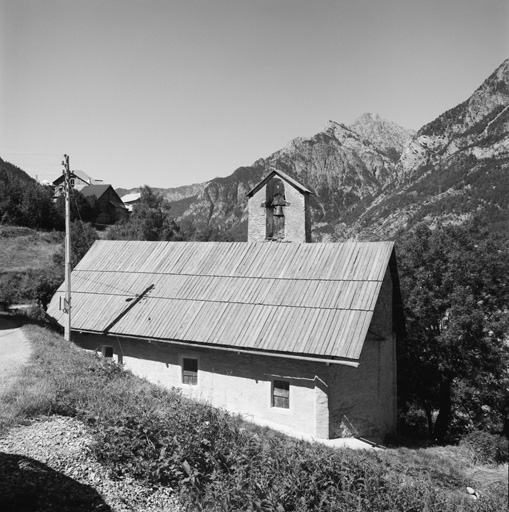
x=278, y=211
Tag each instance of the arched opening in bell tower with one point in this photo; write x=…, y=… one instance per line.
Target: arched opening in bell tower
x=275, y=209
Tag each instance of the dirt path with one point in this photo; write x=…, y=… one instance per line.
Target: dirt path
x=14, y=350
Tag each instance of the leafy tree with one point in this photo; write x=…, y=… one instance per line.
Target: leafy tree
x=150, y=220
x=9, y=288
x=83, y=235
x=26, y=203
x=455, y=357
x=84, y=209
x=43, y=283
x=204, y=232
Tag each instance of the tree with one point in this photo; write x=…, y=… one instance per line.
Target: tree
x=26, y=203
x=84, y=209
x=150, y=220
x=43, y=283
x=455, y=357
x=202, y=231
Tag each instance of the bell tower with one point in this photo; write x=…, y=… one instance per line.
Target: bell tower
x=278, y=209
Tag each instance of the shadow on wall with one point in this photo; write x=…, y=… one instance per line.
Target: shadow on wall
x=27, y=485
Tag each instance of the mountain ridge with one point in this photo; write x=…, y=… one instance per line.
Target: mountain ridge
x=373, y=178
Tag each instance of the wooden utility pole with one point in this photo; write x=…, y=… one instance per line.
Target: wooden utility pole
x=67, y=300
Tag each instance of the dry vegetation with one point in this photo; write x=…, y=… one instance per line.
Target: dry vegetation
x=22, y=249
x=214, y=461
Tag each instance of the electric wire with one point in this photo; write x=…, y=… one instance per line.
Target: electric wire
x=124, y=292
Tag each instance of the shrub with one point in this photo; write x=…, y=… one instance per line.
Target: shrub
x=36, y=312
x=212, y=459
x=486, y=448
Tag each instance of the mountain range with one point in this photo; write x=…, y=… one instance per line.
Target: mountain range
x=372, y=179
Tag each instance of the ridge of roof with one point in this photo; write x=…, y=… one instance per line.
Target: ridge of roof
x=284, y=177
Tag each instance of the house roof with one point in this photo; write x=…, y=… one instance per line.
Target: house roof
x=129, y=198
x=81, y=175
x=284, y=177
x=99, y=190
x=304, y=300
x=94, y=190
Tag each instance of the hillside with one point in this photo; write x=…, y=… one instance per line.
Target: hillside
x=171, y=194
x=9, y=175
x=373, y=178
x=10, y=171
x=130, y=445
x=454, y=166
x=23, y=253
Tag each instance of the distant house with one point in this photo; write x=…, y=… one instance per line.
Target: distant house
x=79, y=180
x=130, y=200
x=111, y=207
x=298, y=336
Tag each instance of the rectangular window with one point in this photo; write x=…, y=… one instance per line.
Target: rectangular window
x=190, y=371
x=108, y=352
x=281, y=394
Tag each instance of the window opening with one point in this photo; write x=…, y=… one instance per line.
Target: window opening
x=108, y=352
x=275, y=205
x=281, y=394
x=190, y=371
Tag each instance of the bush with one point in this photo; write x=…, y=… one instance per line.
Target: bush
x=10, y=284
x=15, y=231
x=486, y=448
x=36, y=313
x=212, y=459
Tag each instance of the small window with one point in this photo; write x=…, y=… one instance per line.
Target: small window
x=190, y=371
x=72, y=182
x=108, y=352
x=281, y=394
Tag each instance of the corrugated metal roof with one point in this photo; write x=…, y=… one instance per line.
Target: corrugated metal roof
x=313, y=300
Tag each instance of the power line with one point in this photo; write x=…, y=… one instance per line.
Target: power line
x=125, y=292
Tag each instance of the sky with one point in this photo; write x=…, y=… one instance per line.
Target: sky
x=173, y=92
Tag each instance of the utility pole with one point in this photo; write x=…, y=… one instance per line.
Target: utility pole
x=67, y=299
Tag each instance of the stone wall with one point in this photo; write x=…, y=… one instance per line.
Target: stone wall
x=363, y=400
x=238, y=382
x=325, y=400
x=257, y=217
x=297, y=215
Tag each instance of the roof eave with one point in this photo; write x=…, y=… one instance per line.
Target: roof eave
x=301, y=357
x=284, y=177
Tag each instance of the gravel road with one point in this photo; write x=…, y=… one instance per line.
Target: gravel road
x=48, y=465
x=14, y=350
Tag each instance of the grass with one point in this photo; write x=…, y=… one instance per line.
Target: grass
x=216, y=462
x=22, y=249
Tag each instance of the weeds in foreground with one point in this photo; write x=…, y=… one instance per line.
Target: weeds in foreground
x=213, y=461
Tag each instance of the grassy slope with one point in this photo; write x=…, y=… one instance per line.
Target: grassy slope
x=22, y=249
x=219, y=463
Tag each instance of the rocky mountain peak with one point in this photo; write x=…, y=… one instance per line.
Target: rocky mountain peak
x=486, y=102
x=383, y=134
x=479, y=127
x=373, y=177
